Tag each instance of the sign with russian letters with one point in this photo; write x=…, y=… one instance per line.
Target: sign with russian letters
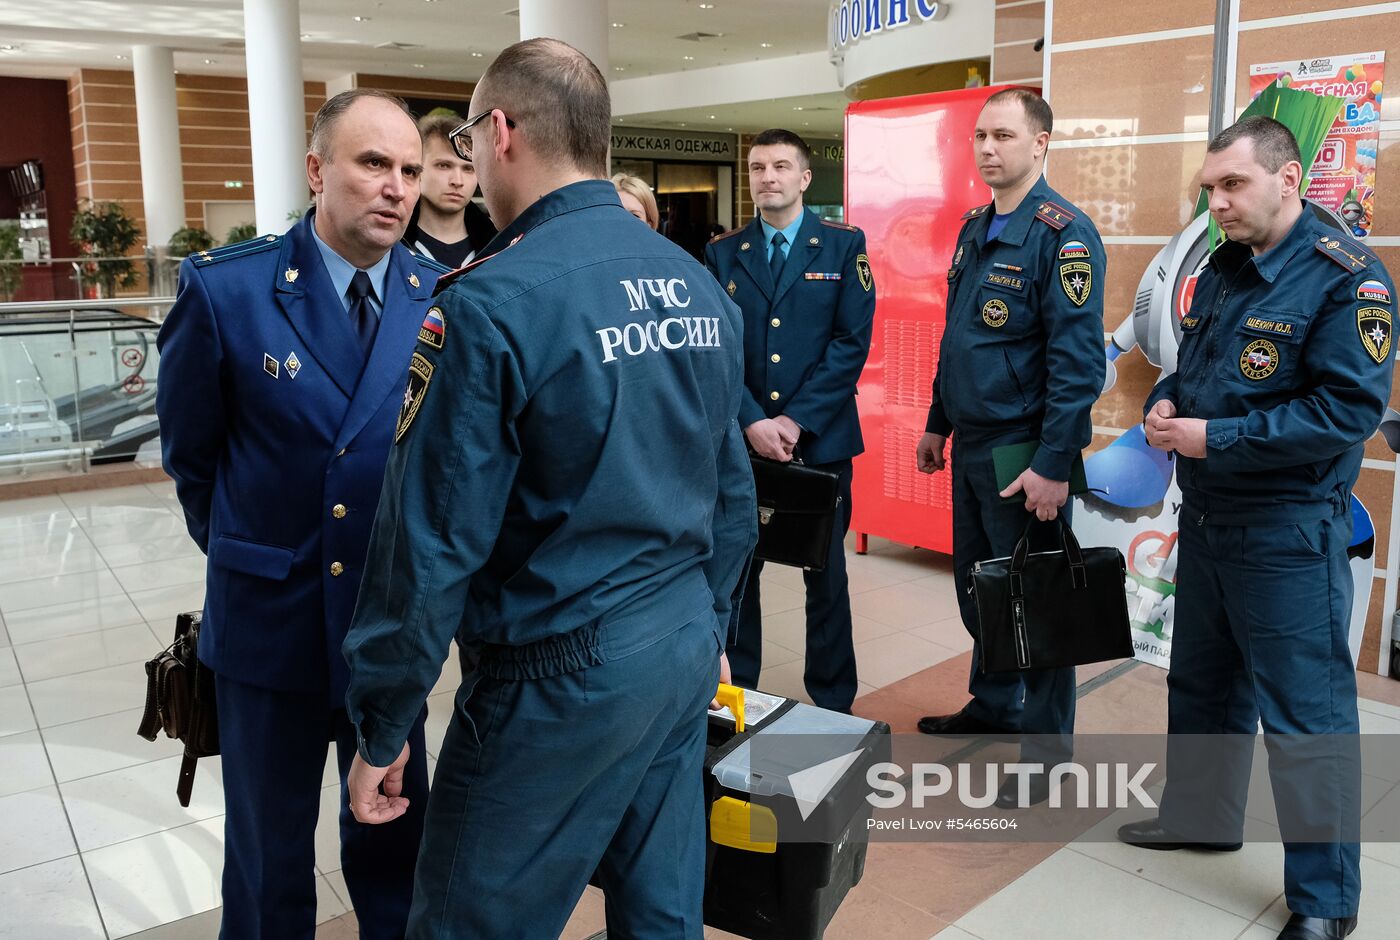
x=850, y=21
x=653, y=144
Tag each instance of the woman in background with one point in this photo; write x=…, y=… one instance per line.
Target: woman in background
x=637, y=198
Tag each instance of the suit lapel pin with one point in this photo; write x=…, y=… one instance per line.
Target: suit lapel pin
x=413, y=279
x=269, y=365
x=291, y=275
x=744, y=246
x=732, y=288
x=293, y=365
x=814, y=240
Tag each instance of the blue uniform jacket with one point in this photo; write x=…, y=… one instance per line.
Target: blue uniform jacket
x=805, y=340
x=276, y=431
x=1023, y=340
x=570, y=483
x=1288, y=356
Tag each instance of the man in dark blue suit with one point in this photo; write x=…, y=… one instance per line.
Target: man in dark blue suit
x=808, y=298
x=283, y=364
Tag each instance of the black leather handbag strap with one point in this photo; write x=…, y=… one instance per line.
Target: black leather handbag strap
x=1079, y=575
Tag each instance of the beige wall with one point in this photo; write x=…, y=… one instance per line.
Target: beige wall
x=1014, y=59
x=1138, y=73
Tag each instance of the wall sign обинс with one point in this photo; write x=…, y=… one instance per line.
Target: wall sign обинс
x=849, y=21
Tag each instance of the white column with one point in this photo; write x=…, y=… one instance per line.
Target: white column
x=158, y=133
x=583, y=24
x=276, y=111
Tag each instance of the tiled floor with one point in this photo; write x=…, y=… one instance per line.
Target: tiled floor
x=93, y=843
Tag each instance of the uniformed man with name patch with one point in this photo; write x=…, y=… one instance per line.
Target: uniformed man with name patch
x=1283, y=373
x=282, y=368
x=808, y=296
x=1021, y=361
x=570, y=496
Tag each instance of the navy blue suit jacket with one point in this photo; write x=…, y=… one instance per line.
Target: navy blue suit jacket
x=805, y=338
x=276, y=431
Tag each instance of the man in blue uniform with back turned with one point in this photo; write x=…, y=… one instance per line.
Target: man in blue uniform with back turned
x=1283, y=373
x=282, y=367
x=570, y=495
x=808, y=298
x=1021, y=360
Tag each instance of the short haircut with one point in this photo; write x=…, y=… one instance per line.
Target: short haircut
x=438, y=125
x=330, y=113
x=558, y=99
x=1274, y=143
x=777, y=135
x=637, y=188
x=1038, y=113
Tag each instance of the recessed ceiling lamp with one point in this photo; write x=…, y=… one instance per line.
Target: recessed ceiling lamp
x=361, y=19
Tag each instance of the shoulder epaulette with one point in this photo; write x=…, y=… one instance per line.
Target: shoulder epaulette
x=841, y=225
x=1344, y=251
x=723, y=235
x=1055, y=216
x=432, y=264
x=237, y=250
x=450, y=278
x=974, y=213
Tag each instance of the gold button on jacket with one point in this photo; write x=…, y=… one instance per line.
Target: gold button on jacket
x=338, y=510
x=337, y=569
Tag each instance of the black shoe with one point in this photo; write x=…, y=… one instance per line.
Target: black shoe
x=1009, y=795
x=960, y=723
x=1317, y=928
x=1150, y=834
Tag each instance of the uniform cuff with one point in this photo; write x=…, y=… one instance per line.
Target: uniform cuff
x=749, y=412
x=938, y=423
x=373, y=746
x=1222, y=432
x=1052, y=464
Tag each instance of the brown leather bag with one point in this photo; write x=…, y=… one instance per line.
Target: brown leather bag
x=180, y=700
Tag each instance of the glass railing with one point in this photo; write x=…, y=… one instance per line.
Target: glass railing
x=155, y=272
x=78, y=384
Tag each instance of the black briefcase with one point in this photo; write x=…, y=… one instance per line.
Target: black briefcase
x=796, y=512
x=1045, y=610
x=180, y=701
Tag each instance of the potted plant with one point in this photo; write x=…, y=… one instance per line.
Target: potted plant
x=104, y=234
x=10, y=256
x=190, y=241
x=241, y=233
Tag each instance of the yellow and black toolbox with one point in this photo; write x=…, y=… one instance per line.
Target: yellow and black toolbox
x=785, y=796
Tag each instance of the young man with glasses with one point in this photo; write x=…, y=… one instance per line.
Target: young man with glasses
x=447, y=226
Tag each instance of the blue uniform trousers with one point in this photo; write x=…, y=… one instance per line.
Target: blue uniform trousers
x=542, y=782
x=830, y=671
x=1036, y=702
x=1261, y=637
x=273, y=747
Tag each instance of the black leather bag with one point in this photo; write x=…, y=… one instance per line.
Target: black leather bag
x=1045, y=610
x=796, y=512
x=180, y=701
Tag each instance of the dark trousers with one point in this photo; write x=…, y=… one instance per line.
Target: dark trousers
x=273, y=756
x=1035, y=702
x=542, y=782
x=830, y=673
x=1260, y=636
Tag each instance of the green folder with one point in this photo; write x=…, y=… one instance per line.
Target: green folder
x=1011, y=460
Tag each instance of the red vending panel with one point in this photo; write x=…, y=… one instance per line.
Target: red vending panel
x=910, y=176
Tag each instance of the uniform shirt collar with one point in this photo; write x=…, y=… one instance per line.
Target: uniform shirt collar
x=789, y=232
x=341, y=271
x=581, y=195
x=1020, y=222
x=1271, y=262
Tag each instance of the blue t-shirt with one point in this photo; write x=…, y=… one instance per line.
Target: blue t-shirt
x=998, y=223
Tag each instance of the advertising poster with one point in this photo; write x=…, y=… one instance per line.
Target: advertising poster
x=1344, y=173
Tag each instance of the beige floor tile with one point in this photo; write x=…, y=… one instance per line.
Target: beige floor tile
x=588, y=917
x=328, y=831
x=903, y=606
x=140, y=553
x=783, y=575
x=42, y=592
x=886, y=660
x=104, y=744
x=34, y=506
x=1380, y=903
x=41, y=526
x=136, y=494
x=1380, y=829
x=15, y=714
x=1065, y=896
x=155, y=525
x=25, y=763
x=204, y=926
x=9, y=668
x=51, y=901
x=136, y=513
x=158, y=879
x=137, y=801
x=789, y=629
x=954, y=933
x=784, y=680
x=162, y=604
x=186, y=569
x=869, y=912
x=71, y=618
x=35, y=565
x=100, y=692
x=86, y=652
x=33, y=829
x=949, y=633
x=336, y=879
x=776, y=655
x=439, y=716
x=329, y=903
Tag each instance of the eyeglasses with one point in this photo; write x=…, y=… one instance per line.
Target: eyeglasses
x=462, y=141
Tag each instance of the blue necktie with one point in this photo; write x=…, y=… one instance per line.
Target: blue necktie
x=776, y=259
x=362, y=316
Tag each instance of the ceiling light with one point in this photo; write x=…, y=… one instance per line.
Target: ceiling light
x=765, y=45
x=712, y=117
x=797, y=108
x=361, y=19
x=420, y=65
x=688, y=58
x=618, y=25
x=477, y=55
x=120, y=58
x=208, y=61
x=618, y=68
x=707, y=6
x=305, y=35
